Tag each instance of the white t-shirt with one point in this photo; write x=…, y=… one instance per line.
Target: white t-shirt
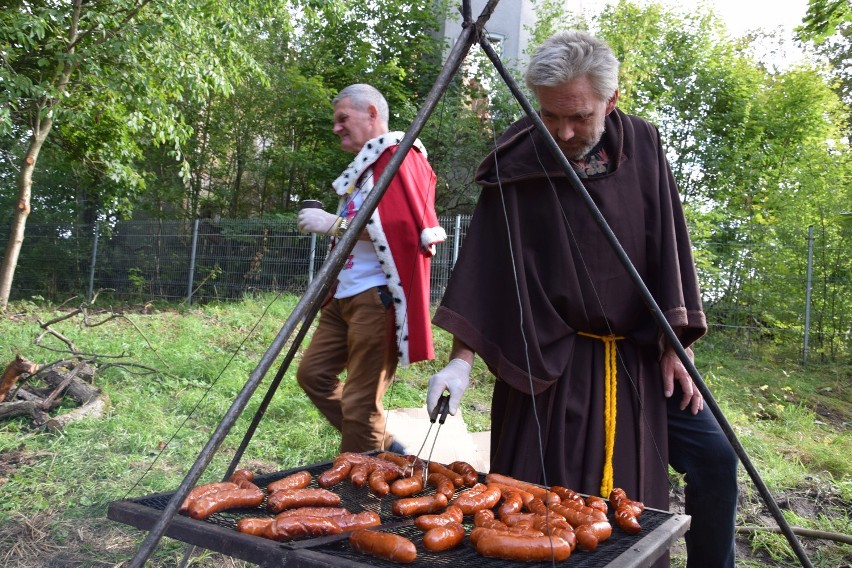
x=362, y=270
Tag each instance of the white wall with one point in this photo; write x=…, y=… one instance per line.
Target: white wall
x=510, y=21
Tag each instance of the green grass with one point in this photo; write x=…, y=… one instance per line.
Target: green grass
x=793, y=421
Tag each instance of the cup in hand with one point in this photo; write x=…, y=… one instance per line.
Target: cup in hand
x=311, y=204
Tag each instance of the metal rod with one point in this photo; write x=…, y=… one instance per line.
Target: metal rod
x=456, y=239
x=317, y=289
x=649, y=301
x=312, y=258
x=809, y=285
x=93, y=262
x=192, y=262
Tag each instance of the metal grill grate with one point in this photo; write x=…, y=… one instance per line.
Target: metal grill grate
x=219, y=533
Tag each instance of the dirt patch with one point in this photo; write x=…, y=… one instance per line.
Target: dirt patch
x=11, y=461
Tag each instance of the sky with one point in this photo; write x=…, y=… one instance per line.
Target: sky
x=742, y=16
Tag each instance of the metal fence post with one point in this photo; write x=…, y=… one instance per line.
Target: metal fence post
x=808, y=293
x=192, y=262
x=456, y=239
x=93, y=262
x=312, y=258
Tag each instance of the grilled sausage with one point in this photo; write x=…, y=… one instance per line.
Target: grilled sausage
x=443, y=484
x=358, y=474
x=577, y=514
x=478, y=532
x=444, y=537
x=205, y=489
x=596, y=502
x=435, y=467
x=515, y=519
x=566, y=494
x=241, y=474
x=523, y=547
x=589, y=535
x=408, y=486
x=407, y=463
x=485, y=518
x=290, y=498
x=379, y=478
x=296, y=528
x=244, y=478
x=335, y=474
x=212, y=503
x=470, y=503
x=388, y=546
x=257, y=526
x=314, y=512
x=298, y=480
x=536, y=490
x=363, y=520
x=619, y=499
x=512, y=502
x=467, y=471
x=410, y=506
x=526, y=496
x=430, y=521
x=625, y=518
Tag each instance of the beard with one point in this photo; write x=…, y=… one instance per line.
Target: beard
x=578, y=148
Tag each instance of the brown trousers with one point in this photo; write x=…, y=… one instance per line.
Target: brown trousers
x=356, y=335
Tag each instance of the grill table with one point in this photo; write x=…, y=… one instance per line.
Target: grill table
x=218, y=533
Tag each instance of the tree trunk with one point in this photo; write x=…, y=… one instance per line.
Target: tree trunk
x=41, y=126
x=22, y=211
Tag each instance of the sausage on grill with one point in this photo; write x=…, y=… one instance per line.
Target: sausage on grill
x=223, y=500
x=523, y=548
x=444, y=537
x=290, y=498
x=298, y=480
x=389, y=546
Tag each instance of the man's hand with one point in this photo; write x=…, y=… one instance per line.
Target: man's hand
x=673, y=370
x=316, y=221
x=453, y=378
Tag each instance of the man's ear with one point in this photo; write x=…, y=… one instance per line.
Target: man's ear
x=373, y=111
x=610, y=104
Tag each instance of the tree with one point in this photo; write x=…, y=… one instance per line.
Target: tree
x=128, y=62
x=828, y=25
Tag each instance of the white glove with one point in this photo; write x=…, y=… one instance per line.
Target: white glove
x=453, y=378
x=315, y=220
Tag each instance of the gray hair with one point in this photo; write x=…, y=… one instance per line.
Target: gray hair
x=362, y=96
x=566, y=55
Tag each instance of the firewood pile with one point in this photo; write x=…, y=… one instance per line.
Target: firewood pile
x=28, y=389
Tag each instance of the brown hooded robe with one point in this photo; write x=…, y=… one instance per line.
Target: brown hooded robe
x=569, y=280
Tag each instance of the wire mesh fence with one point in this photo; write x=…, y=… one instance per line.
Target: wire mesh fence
x=753, y=295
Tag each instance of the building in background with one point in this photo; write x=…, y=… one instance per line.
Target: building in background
x=508, y=28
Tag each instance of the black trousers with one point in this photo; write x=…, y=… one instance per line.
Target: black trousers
x=699, y=449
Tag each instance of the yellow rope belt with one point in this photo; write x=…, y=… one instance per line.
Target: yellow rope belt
x=610, y=370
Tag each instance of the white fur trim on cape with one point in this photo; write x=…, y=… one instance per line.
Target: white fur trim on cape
x=369, y=153
x=345, y=183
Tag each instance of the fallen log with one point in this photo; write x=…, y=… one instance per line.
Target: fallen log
x=93, y=409
x=79, y=390
x=23, y=408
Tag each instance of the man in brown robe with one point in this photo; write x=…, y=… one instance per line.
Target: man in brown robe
x=540, y=295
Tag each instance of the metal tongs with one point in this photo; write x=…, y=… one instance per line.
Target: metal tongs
x=438, y=413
